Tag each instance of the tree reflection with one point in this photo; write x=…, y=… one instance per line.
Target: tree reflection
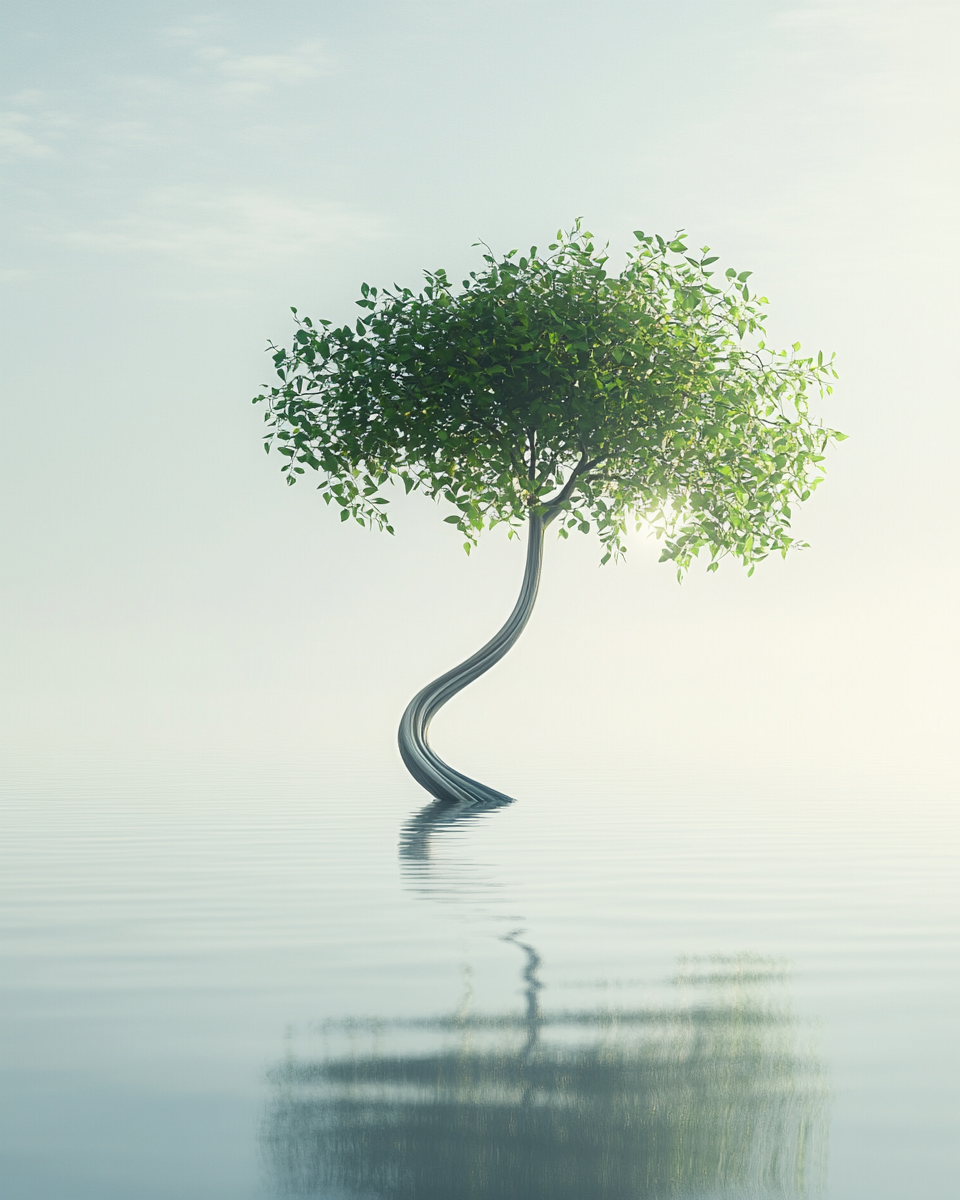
x=706, y=1095
x=440, y=816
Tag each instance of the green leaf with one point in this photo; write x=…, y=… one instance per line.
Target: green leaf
x=658, y=379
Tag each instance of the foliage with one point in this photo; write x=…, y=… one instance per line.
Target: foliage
x=547, y=384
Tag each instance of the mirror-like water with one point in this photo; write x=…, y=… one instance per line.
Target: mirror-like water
x=229, y=981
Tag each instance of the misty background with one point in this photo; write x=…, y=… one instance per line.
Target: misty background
x=174, y=177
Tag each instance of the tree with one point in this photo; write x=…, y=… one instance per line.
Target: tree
x=547, y=389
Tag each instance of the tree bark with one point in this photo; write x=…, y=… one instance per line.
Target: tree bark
x=423, y=764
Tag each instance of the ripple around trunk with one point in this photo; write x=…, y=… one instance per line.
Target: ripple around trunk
x=424, y=765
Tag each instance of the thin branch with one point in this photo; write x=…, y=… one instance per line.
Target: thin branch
x=555, y=506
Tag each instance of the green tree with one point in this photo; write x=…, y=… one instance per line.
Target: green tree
x=548, y=389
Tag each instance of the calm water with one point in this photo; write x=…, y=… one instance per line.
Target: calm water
x=226, y=980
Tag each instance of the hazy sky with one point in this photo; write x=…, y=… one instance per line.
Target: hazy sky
x=174, y=177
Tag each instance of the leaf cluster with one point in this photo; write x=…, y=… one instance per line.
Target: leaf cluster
x=545, y=383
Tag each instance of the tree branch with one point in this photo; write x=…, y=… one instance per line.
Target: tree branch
x=555, y=506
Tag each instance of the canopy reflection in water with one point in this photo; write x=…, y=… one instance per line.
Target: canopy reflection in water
x=707, y=1095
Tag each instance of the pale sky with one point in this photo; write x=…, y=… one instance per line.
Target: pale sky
x=174, y=177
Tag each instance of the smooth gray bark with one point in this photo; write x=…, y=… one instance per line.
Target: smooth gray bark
x=423, y=764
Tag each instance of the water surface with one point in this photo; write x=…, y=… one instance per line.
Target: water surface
x=236, y=980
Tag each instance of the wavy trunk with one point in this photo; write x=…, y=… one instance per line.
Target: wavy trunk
x=423, y=764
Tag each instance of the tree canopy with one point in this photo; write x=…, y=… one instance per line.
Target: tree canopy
x=547, y=385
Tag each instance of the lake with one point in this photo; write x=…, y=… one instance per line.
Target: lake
x=238, y=979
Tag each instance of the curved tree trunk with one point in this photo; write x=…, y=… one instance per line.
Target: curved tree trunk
x=423, y=764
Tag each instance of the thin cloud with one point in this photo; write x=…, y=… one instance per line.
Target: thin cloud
x=31, y=127
x=253, y=73
x=18, y=137
x=872, y=18
x=237, y=73
x=239, y=227
x=819, y=16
